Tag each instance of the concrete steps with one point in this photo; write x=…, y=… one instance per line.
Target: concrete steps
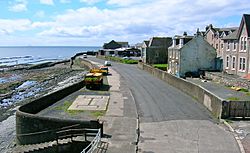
x=33, y=148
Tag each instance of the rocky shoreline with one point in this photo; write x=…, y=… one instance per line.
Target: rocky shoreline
x=21, y=84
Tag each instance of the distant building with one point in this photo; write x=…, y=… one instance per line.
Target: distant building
x=237, y=49
x=114, y=45
x=113, y=48
x=144, y=50
x=189, y=54
x=156, y=51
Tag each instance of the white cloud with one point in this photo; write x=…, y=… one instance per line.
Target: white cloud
x=11, y=26
x=65, y=1
x=135, y=23
x=90, y=2
x=19, y=6
x=40, y=14
x=142, y=20
x=124, y=2
x=47, y=2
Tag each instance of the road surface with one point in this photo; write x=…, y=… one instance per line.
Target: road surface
x=171, y=121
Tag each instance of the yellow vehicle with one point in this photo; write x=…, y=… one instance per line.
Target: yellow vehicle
x=102, y=69
x=105, y=70
x=93, y=80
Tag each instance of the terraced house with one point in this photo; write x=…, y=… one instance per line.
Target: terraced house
x=214, y=37
x=189, y=54
x=237, y=49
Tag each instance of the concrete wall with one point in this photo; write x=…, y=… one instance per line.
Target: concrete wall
x=209, y=100
x=32, y=128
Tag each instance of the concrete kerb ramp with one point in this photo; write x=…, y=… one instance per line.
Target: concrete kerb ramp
x=32, y=129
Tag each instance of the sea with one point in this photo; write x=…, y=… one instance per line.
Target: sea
x=39, y=54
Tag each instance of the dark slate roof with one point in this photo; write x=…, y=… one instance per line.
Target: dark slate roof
x=123, y=43
x=146, y=42
x=231, y=36
x=219, y=31
x=247, y=21
x=178, y=37
x=160, y=41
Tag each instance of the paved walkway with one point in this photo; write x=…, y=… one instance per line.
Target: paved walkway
x=120, y=120
x=240, y=127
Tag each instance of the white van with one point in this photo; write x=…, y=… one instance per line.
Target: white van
x=107, y=63
x=84, y=55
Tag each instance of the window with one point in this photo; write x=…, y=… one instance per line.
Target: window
x=234, y=45
x=241, y=43
x=245, y=43
x=221, y=46
x=227, y=62
x=233, y=63
x=242, y=66
x=216, y=46
x=228, y=45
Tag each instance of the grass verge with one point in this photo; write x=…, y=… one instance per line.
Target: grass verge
x=163, y=67
x=98, y=113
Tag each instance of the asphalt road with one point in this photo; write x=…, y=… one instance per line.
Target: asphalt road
x=171, y=121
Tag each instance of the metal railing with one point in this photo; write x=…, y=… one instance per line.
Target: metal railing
x=94, y=143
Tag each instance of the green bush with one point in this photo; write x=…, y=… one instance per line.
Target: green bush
x=161, y=66
x=244, y=90
x=120, y=60
x=130, y=61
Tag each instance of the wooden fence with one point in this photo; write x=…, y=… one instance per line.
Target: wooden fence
x=233, y=109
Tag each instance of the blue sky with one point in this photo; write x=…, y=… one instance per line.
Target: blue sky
x=93, y=22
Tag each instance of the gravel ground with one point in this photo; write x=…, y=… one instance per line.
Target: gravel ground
x=30, y=84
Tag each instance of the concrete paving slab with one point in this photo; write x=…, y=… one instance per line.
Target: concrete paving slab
x=121, y=134
x=90, y=102
x=185, y=136
x=116, y=104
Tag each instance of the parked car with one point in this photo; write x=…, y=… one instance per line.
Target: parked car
x=107, y=63
x=127, y=58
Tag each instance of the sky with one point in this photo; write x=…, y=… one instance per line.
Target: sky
x=94, y=22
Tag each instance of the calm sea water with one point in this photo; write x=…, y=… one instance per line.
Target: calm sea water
x=34, y=55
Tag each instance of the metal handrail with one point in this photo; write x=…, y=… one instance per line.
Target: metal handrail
x=93, y=145
x=47, y=131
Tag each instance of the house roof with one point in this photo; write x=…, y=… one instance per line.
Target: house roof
x=220, y=31
x=159, y=41
x=146, y=42
x=123, y=43
x=231, y=36
x=178, y=36
x=245, y=20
